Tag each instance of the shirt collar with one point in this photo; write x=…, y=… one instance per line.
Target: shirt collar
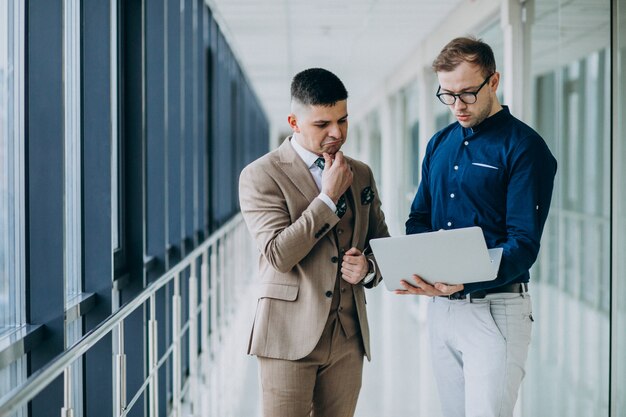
x=494, y=120
x=307, y=156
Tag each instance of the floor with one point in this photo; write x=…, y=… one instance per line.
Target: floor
x=396, y=383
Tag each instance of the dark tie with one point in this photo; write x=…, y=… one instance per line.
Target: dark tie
x=341, y=204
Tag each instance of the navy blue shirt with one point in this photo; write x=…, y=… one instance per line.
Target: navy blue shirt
x=498, y=175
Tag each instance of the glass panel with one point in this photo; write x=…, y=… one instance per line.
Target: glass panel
x=11, y=165
x=6, y=318
x=619, y=177
x=73, y=185
x=494, y=37
x=12, y=211
x=442, y=114
x=72, y=111
x=568, y=365
x=412, y=138
x=374, y=142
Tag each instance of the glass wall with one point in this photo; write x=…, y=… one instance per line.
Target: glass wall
x=410, y=96
x=374, y=138
x=493, y=35
x=11, y=166
x=11, y=179
x=618, y=360
x=568, y=367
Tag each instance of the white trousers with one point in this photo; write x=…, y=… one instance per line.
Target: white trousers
x=479, y=351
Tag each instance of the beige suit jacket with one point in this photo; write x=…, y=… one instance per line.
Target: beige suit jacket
x=293, y=230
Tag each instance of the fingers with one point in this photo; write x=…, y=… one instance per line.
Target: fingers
x=420, y=287
x=351, y=274
x=354, y=268
x=338, y=159
x=409, y=289
x=328, y=161
x=448, y=289
x=352, y=252
x=337, y=176
x=417, y=287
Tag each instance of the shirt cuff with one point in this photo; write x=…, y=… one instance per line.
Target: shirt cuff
x=370, y=277
x=326, y=199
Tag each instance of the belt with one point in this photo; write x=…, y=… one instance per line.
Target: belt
x=518, y=287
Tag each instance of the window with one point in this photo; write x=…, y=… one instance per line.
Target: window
x=12, y=275
x=72, y=186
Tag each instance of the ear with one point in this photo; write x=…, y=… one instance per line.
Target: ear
x=293, y=123
x=494, y=81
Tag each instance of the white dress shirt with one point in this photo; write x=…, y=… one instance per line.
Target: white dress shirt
x=309, y=159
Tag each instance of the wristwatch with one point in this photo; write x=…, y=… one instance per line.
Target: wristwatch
x=371, y=273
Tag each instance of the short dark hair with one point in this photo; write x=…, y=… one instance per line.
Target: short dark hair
x=465, y=49
x=317, y=87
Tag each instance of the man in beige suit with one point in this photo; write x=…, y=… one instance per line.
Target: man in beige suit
x=312, y=211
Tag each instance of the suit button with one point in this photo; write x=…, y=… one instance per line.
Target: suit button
x=340, y=308
x=334, y=259
x=329, y=294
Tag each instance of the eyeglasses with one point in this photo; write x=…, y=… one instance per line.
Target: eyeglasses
x=467, y=97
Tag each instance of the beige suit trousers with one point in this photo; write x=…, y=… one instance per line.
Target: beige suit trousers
x=325, y=383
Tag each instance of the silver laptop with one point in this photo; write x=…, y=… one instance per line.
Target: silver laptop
x=456, y=256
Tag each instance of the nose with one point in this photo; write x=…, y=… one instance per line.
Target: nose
x=459, y=104
x=335, y=131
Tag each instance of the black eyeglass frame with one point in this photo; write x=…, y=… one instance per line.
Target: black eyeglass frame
x=465, y=93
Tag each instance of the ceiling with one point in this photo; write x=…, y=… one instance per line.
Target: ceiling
x=362, y=41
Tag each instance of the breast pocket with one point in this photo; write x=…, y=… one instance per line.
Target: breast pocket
x=485, y=175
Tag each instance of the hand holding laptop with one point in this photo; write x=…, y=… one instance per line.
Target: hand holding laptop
x=417, y=286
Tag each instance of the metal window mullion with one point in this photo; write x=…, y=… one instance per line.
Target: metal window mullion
x=182, y=127
x=153, y=358
x=193, y=337
x=195, y=116
x=204, y=297
x=67, y=410
x=214, y=332
x=205, y=365
x=176, y=354
x=113, y=96
x=72, y=134
x=119, y=371
x=223, y=282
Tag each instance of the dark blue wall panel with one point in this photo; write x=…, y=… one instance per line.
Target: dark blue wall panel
x=96, y=191
x=45, y=145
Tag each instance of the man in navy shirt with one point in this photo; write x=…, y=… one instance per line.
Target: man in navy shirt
x=487, y=169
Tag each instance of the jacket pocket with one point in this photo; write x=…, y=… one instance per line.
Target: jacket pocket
x=279, y=291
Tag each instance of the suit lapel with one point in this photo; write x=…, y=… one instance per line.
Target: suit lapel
x=356, y=206
x=298, y=173
x=296, y=170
